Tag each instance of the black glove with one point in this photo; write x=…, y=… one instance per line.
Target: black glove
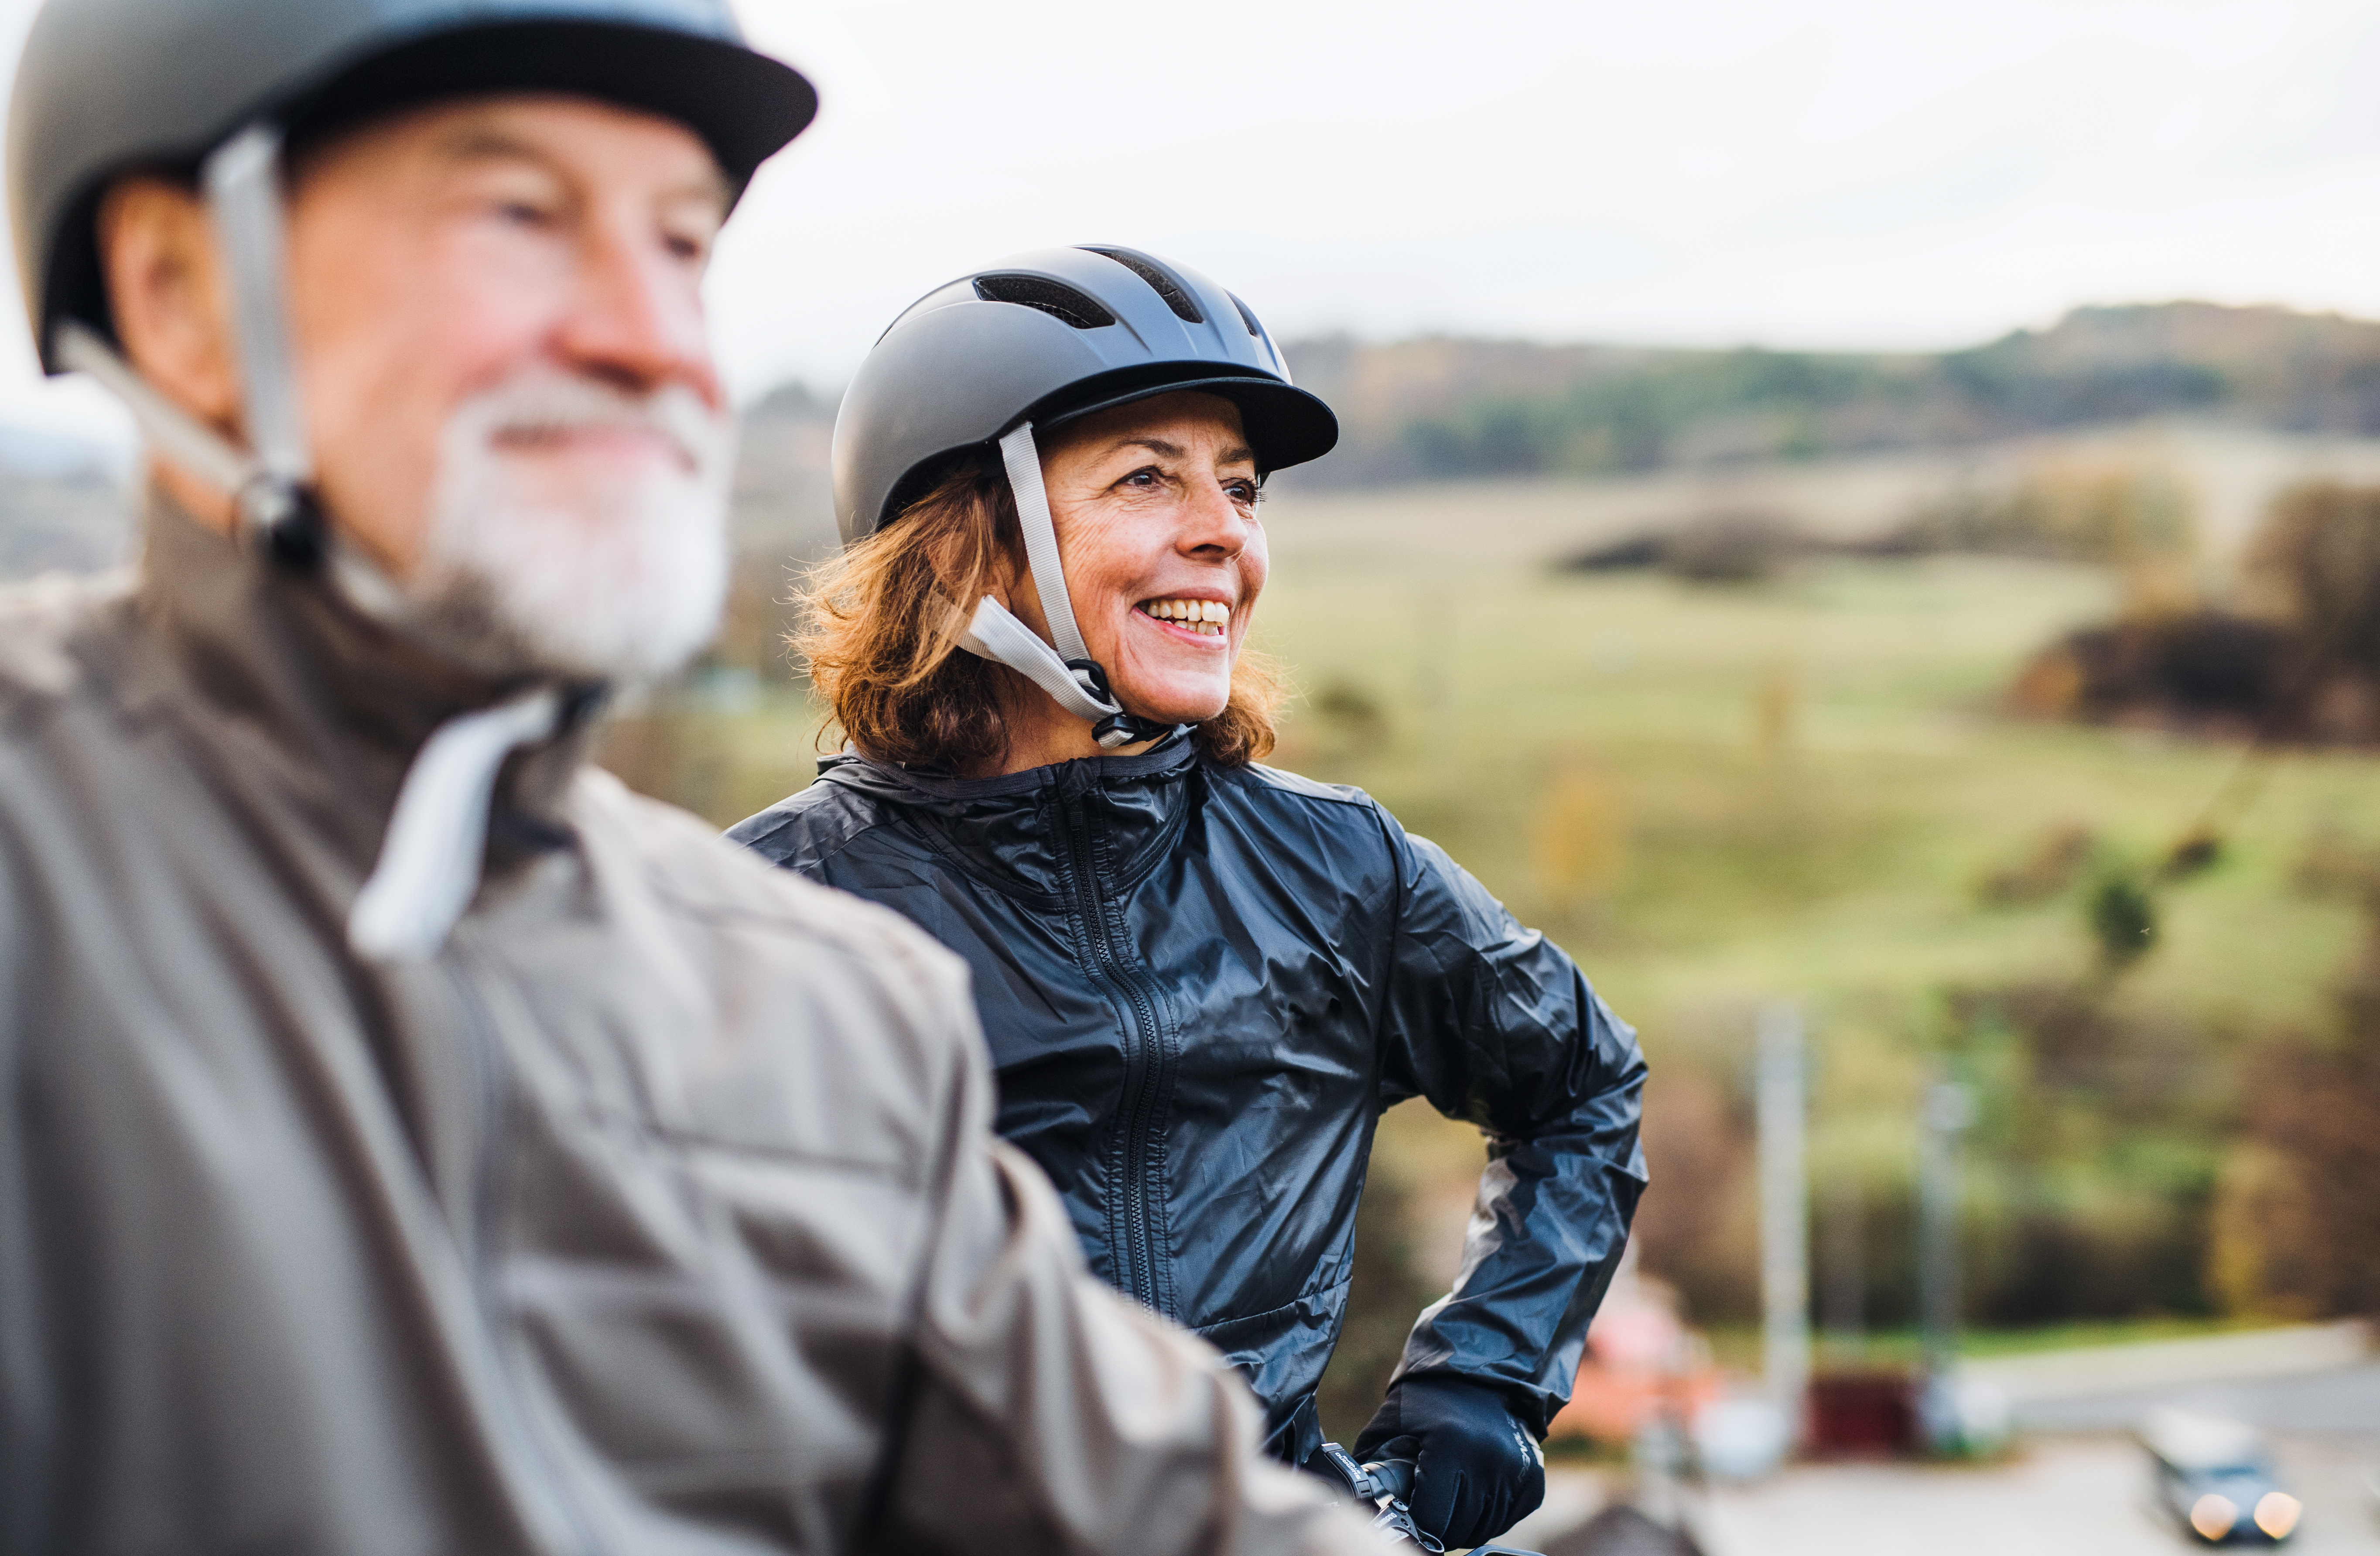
x=1478, y=1469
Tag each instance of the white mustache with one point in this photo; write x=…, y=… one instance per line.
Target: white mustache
x=551, y=404
x=611, y=578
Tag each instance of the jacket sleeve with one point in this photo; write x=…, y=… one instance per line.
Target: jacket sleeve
x=1044, y=1413
x=1496, y=1025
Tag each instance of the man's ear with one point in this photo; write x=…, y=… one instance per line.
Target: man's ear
x=167, y=288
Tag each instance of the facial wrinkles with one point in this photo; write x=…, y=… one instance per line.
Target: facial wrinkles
x=543, y=557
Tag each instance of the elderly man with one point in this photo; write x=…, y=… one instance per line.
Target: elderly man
x=409, y=1141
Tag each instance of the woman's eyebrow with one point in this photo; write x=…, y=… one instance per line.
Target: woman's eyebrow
x=1165, y=450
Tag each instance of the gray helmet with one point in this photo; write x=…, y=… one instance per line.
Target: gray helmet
x=105, y=87
x=1046, y=338
x=1038, y=341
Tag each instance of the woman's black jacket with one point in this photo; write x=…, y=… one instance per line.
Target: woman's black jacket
x=1202, y=985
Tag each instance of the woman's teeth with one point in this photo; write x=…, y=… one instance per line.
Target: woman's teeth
x=1208, y=618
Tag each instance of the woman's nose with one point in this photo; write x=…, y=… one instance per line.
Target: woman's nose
x=1216, y=522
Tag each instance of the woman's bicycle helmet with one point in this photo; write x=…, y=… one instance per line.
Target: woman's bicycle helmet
x=1032, y=343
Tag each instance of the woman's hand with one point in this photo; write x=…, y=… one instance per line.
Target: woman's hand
x=1478, y=1471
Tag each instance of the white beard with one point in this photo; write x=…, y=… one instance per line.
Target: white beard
x=621, y=583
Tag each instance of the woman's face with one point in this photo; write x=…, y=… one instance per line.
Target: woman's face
x=1156, y=509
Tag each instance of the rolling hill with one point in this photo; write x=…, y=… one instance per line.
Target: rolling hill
x=1449, y=408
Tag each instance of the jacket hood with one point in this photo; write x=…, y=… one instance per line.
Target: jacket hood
x=1008, y=832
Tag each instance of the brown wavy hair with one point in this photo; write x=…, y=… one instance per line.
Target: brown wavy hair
x=877, y=626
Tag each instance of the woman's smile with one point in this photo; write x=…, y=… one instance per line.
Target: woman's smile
x=1204, y=621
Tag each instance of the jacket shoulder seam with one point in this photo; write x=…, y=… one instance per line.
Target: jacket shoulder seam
x=1294, y=785
x=854, y=816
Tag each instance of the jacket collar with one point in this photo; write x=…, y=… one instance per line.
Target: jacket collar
x=333, y=705
x=1018, y=832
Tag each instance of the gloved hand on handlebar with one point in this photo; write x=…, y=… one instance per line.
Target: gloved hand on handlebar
x=1479, y=1471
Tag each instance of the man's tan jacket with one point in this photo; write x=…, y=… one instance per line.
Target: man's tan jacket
x=657, y=1214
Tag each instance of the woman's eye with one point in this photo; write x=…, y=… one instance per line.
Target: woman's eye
x=1145, y=478
x=520, y=213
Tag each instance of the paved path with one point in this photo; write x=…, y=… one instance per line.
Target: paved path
x=2319, y=1376
x=2070, y=1496
x=2345, y=1401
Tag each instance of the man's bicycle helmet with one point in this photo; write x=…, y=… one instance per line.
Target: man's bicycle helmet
x=1032, y=343
x=213, y=89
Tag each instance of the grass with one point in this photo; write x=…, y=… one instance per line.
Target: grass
x=1738, y=1346
x=1718, y=795
x=1807, y=779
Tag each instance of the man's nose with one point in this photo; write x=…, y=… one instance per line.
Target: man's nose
x=636, y=318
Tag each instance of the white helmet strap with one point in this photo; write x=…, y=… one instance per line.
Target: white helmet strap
x=1018, y=452
x=242, y=178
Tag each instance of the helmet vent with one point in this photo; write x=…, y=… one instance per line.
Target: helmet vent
x=1055, y=298
x=1163, y=285
x=1245, y=317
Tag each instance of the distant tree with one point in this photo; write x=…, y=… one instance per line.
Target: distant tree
x=1696, y=1228
x=2317, y=558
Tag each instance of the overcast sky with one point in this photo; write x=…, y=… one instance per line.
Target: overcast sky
x=1827, y=173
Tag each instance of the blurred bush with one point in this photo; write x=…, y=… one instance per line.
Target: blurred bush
x=2296, y=1226
x=2123, y=919
x=1697, y=1225
x=2093, y=1162
x=1723, y=545
x=2302, y=664
x=2207, y=671
x=2117, y=514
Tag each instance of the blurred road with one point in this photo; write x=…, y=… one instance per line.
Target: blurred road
x=2305, y=1377
x=2062, y=1496
x=2077, y=1485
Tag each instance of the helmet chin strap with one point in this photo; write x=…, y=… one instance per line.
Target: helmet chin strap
x=1074, y=679
x=243, y=185
x=429, y=858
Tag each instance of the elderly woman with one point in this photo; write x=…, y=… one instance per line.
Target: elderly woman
x=1202, y=979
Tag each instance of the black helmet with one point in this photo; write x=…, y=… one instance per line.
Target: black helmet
x=1036, y=342
x=1048, y=337
x=107, y=87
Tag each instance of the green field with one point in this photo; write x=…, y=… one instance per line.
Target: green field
x=1720, y=795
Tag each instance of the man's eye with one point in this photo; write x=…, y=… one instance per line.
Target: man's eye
x=521, y=212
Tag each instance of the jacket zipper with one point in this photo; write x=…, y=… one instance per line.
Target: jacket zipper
x=487, y=1079
x=1136, y=1157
